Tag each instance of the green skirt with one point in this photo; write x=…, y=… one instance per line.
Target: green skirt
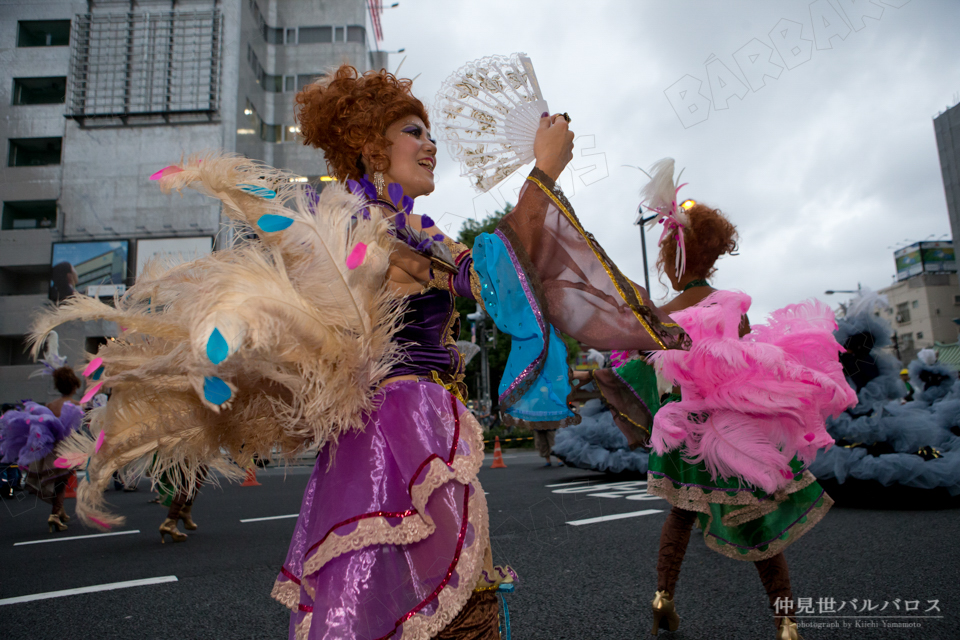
x=737, y=519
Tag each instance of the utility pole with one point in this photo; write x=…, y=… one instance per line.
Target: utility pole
x=480, y=320
x=641, y=221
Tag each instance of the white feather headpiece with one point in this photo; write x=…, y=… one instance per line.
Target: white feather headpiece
x=660, y=195
x=51, y=360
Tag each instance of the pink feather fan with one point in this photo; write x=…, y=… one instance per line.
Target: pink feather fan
x=751, y=404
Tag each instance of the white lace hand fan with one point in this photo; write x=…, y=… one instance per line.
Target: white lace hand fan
x=488, y=113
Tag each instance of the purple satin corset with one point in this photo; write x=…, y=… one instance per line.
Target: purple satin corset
x=427, y=323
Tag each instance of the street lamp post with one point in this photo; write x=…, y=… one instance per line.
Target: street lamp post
x=641, y=221
x=830, y=292
x=859, y=289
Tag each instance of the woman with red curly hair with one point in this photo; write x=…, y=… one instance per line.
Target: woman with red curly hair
x=712, y=445
x=393, y=533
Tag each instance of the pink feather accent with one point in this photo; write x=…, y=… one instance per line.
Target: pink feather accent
x=99, y=522
x=750, y=405
x=92, y=391
x=96, y=448
x=93, y=366
x=70, y=460
x=355, y=259
x=166, y=171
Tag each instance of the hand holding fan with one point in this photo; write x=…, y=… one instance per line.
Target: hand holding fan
x=488, y=113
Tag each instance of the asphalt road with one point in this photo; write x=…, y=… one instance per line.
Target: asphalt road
x=588, y=580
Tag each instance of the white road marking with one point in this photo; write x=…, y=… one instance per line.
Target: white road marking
x=567, y=484
x=93, y=535
x=624, y=488
x=615, y=516
x=99, y=587
x=292, y=515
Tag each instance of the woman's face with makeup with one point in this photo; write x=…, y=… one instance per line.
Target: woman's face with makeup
x=413, y=156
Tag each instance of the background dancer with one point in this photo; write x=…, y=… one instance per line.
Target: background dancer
x=740, y=518
x=29, y=437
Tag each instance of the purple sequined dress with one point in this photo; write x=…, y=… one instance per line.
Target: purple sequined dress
x=393, y=527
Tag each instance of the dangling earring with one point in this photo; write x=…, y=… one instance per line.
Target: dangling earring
x=378, y=183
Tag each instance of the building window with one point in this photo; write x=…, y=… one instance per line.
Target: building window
x=314, y=35
x=270, y=34
x=290, y=84
x=14, y=351
x=39, y=90
x=291, y=36
x=271, y=132
x=146, y=64
x=305, y=79
x=338, y=34
x=956, y=301
x=29, y=214
x=916, y=304
x=903, y=313
x=919, y=335
x=269, y=82
x=356, y=34
x=43, y=33
x=272, y=83
x=34, y=152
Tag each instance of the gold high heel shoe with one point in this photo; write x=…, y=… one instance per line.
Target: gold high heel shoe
x=788, y=630
x=664, y=613
x=188, y=522
x=169, y=527
x=54, y=523
x=63, y=515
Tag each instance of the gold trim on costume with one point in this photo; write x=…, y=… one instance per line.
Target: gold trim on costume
x=590, y=243
x=476, y=289
x=616, y=411
x=454, y=386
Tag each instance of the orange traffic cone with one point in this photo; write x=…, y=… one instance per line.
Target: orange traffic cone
x=497, y=455
x=251, y=480
x=71, y=486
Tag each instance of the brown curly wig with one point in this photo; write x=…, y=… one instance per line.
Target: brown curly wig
x=708, y=236
x=341, y=113
x=66, y=381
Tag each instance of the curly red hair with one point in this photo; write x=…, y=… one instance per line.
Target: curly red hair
x=708, y=236
x=342, y=113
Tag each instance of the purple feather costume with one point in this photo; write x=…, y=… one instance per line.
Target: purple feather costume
x=29, y=437
x=393, y=529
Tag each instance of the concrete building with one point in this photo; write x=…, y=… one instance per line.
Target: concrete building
x=946, y=126
x=922, y=312
x=96, y=95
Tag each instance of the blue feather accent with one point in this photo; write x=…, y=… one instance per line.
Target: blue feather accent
x=263, y=192
x=271, y=223
x=217, y=348
x=216, y=390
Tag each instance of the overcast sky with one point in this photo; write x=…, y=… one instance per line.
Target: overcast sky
x=825, y=170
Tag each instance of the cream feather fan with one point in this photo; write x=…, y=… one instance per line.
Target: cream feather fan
x=488, y=112
x=277, y=343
